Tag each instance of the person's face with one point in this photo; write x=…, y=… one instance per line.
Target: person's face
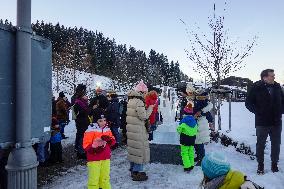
x=269, y=78
x=183, y=94
x=101, y=122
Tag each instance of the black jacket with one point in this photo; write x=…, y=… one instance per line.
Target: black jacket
x=101, y=101
x=112, y=112
x=268, y=108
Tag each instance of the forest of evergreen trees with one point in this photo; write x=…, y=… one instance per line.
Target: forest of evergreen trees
x=92, y=52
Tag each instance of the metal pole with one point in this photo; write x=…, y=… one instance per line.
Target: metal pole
x=22, y=161
x=230, y=111
x=219, y=111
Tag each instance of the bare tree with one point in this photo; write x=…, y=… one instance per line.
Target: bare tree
x=217, y=56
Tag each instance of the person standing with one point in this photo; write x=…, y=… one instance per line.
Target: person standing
x=137, y=132
x=113, y=117
x=152, y=99
x=183, y=102
x=61, y=113
x=81, y=110
x=266, y=100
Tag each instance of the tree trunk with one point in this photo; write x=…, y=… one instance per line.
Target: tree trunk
x=213, y=111
x=57, y=80
x=219, y=102
x=74, y=80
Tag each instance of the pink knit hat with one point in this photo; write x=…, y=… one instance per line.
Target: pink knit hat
x=141, y=87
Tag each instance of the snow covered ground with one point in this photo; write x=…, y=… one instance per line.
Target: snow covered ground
x=172, y=176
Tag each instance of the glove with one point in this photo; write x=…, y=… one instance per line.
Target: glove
x=98, y=149
x=98, y=142
x=248, y=185
x=106, y=138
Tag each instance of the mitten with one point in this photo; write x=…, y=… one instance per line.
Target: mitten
x=98, y=149
x=247, y=185
x=106, y=138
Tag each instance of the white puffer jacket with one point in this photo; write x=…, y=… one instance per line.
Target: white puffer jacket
x=203, y=134
x=137, y=135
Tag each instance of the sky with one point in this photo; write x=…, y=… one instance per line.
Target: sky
x=155, y=24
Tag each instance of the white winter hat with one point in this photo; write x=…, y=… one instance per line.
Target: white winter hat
x=190, y=88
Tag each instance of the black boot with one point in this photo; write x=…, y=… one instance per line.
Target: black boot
x=187, y=170
x=274, y=167
x=139, y=176
x=198, y=163
x=260, y=169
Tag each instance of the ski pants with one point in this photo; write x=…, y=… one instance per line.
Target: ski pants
x=99, y=174
x=187, y=155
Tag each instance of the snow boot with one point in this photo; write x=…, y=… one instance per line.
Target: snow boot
x=260, y=169
x=135, y=172
x=198, y=163
x=187, y=170
x=274, y=167
x=139, y=176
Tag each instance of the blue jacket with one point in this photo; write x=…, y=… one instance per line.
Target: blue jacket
x=56, y=138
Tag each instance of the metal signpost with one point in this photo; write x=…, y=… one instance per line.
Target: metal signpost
x=25, y=100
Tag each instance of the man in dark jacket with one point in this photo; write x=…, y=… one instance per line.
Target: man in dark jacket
x=266, y=101
x=113, y=117
x=100, y=100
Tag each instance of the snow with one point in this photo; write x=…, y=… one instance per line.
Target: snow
x=172, y=176
x=92, y=81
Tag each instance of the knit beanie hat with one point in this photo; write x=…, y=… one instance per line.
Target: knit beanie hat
x=215, y=164
x=54, y=122
x=98, y=114
x=141, y=87
x=183, y=90
x=188, y=109
x=61, y=94
x=190, y=88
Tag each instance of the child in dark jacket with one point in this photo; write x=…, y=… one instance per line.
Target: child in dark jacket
x=97, y=142
x=55, y=142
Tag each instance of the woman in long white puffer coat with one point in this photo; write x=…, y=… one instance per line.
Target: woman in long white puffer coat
x=137, y=134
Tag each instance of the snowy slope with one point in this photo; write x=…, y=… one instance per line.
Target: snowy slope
x=65, y=81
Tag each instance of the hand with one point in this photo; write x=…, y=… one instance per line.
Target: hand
x=106, y=138
x=98, y=142
x=211, y=126
x=197, y=114
x=151, y=106
x=95, y=106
